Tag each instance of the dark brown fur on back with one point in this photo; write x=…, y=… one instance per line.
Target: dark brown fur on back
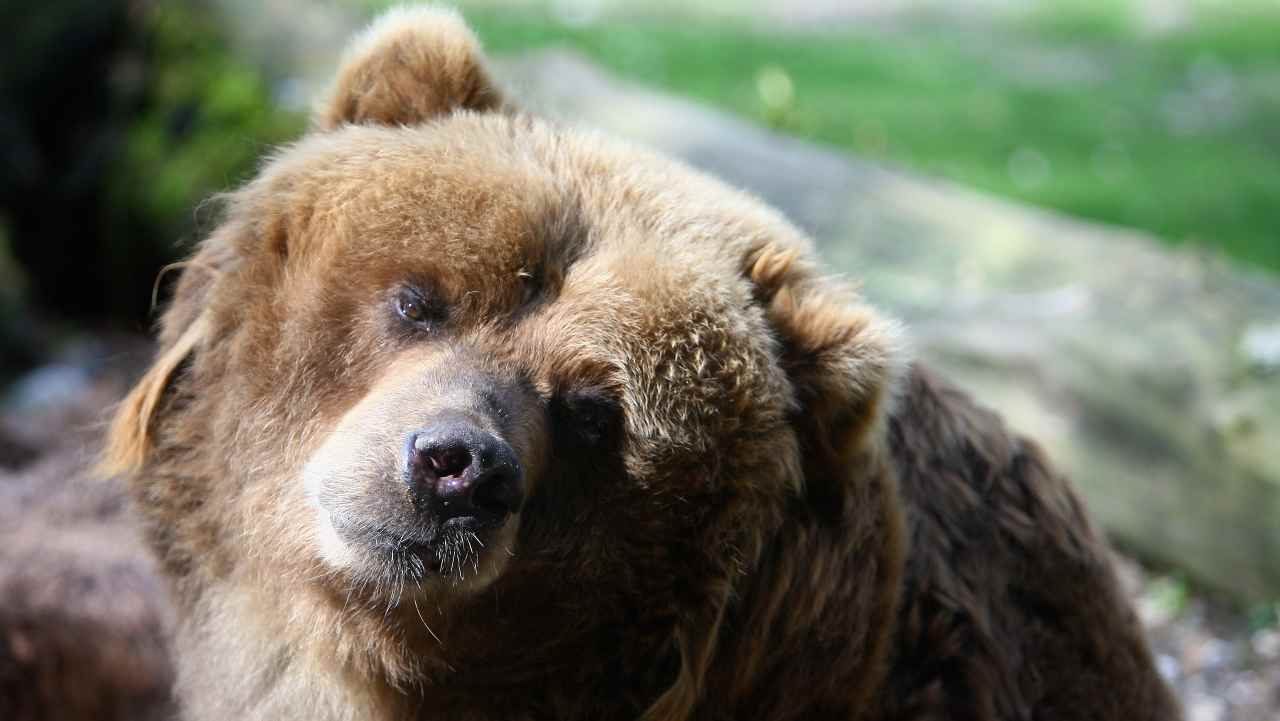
x=1010, y=608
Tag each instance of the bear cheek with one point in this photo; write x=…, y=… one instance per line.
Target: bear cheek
x=331, y=485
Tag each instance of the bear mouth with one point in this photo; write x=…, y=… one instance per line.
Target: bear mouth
x=453, y=550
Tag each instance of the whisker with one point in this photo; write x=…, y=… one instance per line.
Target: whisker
x=425, y=624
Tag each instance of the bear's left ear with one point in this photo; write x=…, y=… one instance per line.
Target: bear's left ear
x=829, y=562
x=410, y=65
x=843, y=358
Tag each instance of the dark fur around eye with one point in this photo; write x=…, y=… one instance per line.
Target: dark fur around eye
x=415, y=308
x=590, y=418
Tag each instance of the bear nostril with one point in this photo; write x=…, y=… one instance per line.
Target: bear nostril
x=449, y=461
x=498, y=493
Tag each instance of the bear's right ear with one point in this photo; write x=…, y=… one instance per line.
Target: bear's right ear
x=410, y=65
x=184, y=328
x=129, y=437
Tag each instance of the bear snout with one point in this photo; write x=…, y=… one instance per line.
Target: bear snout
x=462, y=474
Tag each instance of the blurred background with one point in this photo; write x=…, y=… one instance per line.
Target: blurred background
x=1074, y=205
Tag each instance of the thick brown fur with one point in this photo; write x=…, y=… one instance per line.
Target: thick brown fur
x=1010, y=608
x=714, y=526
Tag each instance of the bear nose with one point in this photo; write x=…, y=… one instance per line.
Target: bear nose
x=462, y=471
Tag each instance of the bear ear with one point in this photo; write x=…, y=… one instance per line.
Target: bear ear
x=842, y=357
x=830, y=560
x=410, y=65
x=184, y=328
x=129, y=436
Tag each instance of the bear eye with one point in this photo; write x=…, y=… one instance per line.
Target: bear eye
x=412, y=306
x=594, y=416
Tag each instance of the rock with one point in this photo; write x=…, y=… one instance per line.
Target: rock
x=1145, y=372
x=82, y=611
x=1261, y=346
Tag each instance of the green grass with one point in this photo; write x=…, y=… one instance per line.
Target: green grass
x=1176, y=133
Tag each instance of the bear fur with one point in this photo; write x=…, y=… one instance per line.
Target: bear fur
x=738, y=499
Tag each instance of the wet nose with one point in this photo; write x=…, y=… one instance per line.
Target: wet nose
x=462, y=471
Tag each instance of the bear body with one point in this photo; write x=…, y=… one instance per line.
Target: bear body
x=463, y=414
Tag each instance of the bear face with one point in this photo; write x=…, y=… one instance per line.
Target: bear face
x=441, y=356
x=507, y=326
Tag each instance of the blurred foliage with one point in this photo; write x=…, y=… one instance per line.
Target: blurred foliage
x=1264, y=616
x=12, y=287
x=117, y=118
x=58, y=133
x=209, y=117
x=1168, y=595
x=1073, y=106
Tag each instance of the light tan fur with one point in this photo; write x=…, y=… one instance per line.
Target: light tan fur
x=129, y=435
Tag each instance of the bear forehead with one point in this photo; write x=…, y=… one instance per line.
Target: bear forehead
x=628, y=246
x=501, y=194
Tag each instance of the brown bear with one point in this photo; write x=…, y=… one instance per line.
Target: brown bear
x=463, y=414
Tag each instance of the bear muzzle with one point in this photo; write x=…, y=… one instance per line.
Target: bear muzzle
x=462, y=475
